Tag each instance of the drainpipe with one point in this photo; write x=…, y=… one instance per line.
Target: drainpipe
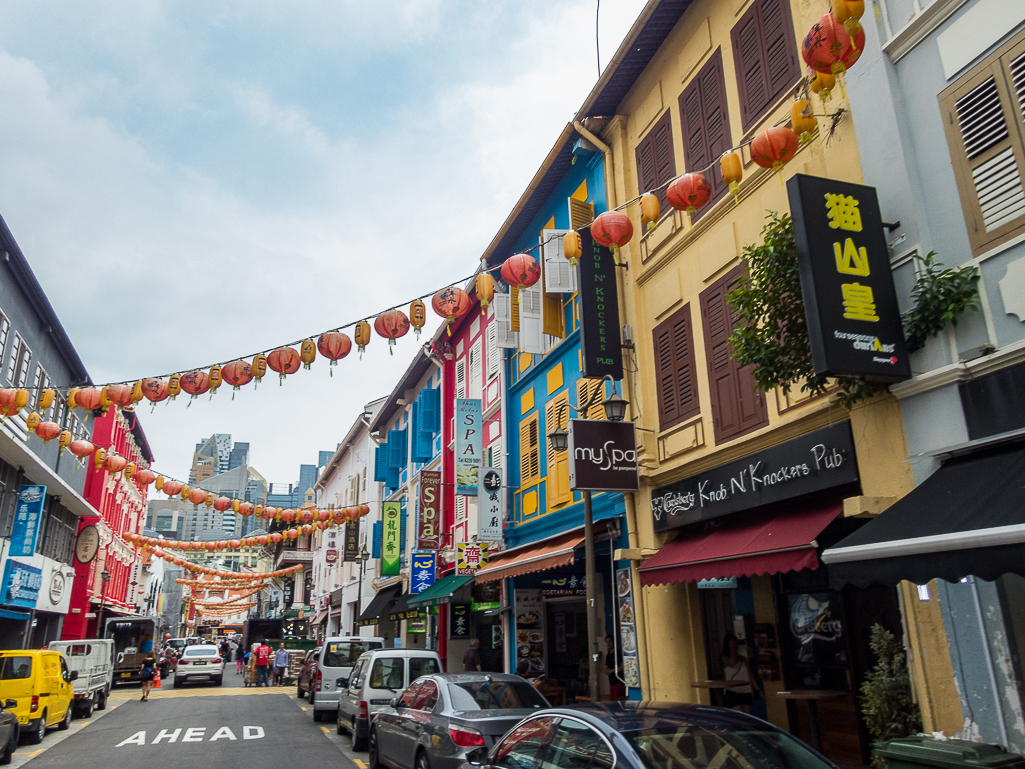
x=989, y=662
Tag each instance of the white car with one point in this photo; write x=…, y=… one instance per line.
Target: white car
x=200, y=661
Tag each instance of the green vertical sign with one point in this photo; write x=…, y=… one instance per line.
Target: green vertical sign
x=391, y=545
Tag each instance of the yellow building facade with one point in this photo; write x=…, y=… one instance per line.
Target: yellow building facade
x=727, y=70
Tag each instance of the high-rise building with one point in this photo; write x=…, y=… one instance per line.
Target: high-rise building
x=239, y=456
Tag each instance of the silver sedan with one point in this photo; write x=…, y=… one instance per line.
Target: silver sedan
x=203, y=661
x=442, y=720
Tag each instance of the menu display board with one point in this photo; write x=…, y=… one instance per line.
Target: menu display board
x=627, y=629
x=530, y=629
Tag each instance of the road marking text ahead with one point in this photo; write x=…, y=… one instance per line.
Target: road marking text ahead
x=194, y=734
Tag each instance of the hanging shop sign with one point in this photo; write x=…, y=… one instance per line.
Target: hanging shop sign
x=469, y=445
x=725, y=583
x=459, y=620
x=28, y=520
x=331, y=556
x=490, y=505
x=428, y=534
x=391, y=547
x=421, y=576
x=87, y=545
x=21, y=585
x=471, y=556
x=350, y=553
x=627, y=629
x=821, y=460
x=849, y=299
x=602, y=456
x=602, y=348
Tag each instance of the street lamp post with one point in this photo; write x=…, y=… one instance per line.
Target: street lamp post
x=615, y=411
x=105, y=577
x=362, y=556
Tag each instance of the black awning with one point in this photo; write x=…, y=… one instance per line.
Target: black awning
x=376, y=608
x=967, y=518
x=401, y=610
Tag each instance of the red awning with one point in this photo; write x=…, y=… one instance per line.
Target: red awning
x=784, y=541
x=538, y=556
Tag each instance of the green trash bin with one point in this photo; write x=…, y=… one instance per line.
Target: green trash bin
x=919, y=752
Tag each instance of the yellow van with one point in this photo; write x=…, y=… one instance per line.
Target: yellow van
x=39, y=681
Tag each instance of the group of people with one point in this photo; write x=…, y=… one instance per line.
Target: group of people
x=270, y=665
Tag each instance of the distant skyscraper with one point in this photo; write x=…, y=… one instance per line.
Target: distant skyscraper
x=239, y=456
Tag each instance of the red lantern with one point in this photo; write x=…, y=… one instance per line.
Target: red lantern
x=307, y=529
x=195, y=383
x=275, y=537
x=391, y=324
x=688, y=192
x=306, y=516
x=81, y=449
x=154, y=390
x=88, y=398
x=334, y=345
x=612, y=228
x=208, y=546
x=451, y=303
x=323, y=515
x=521, y=271
x=48, y=431
x=288, y=515
x=364, y=510
x=197, y=496
x=828, y=48
x=262, y=539
x=145, y=477
x=120, y=395
x=285, y=361
x=237, y=373
x=774, y=146
x=339, y=517
x=353, y=513
x=222, y=503
x=115, y=463
x=246, y=509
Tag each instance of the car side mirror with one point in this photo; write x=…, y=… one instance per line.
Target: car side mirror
x=74, y=675
x=477, y=757
x=343, y=683
x=395, y=703
x=10, y=704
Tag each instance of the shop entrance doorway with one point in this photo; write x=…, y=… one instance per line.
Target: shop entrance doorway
x=566, y=658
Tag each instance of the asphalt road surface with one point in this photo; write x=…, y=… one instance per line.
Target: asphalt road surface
x=197, y=724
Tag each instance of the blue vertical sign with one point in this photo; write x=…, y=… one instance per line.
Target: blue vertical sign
x=28, y=519
x=469, y=445
x=422, y=575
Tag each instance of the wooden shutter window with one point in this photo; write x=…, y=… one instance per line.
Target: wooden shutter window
x=737, y=408
x=557, y=415
x=674, y=369
x=706, y=125
x=581, y=213
x=530, y=451
x=585, y=390
x=656, y=162
x=765, y=57
x=985, y=120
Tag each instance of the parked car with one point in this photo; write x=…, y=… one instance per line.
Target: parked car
x=40, y=684
x=642, y=735
x=378, y=677
x=440, y=720
x=8, y=732
x=203, y=661
x=307, y=672
x=93, y=660
x=178, y=644
x=334, y=665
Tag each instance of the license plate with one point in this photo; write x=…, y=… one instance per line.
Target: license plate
x=198, y=663
x=126, y=675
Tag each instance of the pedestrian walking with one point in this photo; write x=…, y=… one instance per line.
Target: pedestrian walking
x=147, y=673
x=240, y=659
x=263, y=655
x=280, y=664
x=471, y=660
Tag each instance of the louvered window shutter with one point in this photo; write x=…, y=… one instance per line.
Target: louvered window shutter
x=557, y=415
x=430, y=411
x=765, y=57
x=656, y=161
x=376, y=546
x=494, y=359
x=531, y=321
x=381, y=463
x=985, y=118
x=505, y=337
x=586, y=389
x=530, y=451
x=581, y=213
x=706, y=129
x=496, y=454
x=674, y=369
x=460, y=508
x=461, y=378
x=476, y=369
x=560, y=275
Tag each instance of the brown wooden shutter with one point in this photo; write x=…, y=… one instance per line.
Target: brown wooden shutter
x=765, y=57
x=736, y=407
x=706, y=125
x=656, y=161
x=581, y=213
x=674, y=367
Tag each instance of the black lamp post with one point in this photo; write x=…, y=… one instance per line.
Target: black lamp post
x=105, y=576
x=362, y=556
x=615, y=411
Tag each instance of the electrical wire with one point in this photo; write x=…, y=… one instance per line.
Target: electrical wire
x=597, y=45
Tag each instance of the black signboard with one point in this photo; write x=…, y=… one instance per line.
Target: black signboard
x=351, y=551
x=602, y=347
x=849, y=299
x=820, y=460
x=602, y=456
x=459, y=620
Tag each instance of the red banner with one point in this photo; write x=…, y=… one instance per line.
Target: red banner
x=428, y=537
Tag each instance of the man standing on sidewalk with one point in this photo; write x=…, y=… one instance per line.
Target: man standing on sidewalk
x=280, y=664
x=263, y=653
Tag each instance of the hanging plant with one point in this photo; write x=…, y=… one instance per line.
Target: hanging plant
x=772, y=331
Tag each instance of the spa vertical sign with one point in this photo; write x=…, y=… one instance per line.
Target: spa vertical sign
x=469, y=445
x=427, y=536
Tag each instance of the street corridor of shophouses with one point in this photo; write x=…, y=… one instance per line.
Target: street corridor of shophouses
x=561, y=385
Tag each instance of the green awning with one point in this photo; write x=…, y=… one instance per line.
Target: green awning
x=440, y=592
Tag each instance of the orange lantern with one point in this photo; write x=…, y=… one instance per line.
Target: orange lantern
x=275, y=537
x=221, y=504
x=774, y=147
x=195, y=383
x=612, y=228
x=64, y=439
x=99, y=458
x=88, y=398
x=732, y=172
x=72, y=396
x=48, y=431
x=485, y=291
x=689, y=192
x=236, y=505
x=259, y=366
x=306, y=515
x=159, y=483
x=288, y=515
x=209, y=499
x=120, y=395
x=114, y=463
x=307, y=529
x=391, y=324
x=829, y=48
x=245, y=509
x=237, y=373
x=171, y=488
x=285, y=361
x=154, y=390
x=174, y=386
x=334, y=345
x=145, y=477
x=521, y=271
x=572, y=248
x=417, y=316
x=262, y=539
x=81, y=449
x=362, y=334
x=650, y=210
x=197, y=496
x=32, y=422
x=215, y=378
x=339, y=516
x=451, y=303
x=307, y=352
x=821, y=83
x=802, y=120
x=46, y=399
x=258, y=510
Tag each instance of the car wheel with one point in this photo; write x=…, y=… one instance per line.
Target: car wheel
x=87, y=707
x=339, y=723
x=12, y=745
x=299, y=693
x=65, y=724
x=372, y=762
x=422, y=762
x=177, y=682
x=219, y=681
x=101, y=701
x=358, y=743
x=318, y=715
x=36, y=735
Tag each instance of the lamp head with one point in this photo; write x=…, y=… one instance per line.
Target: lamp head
x=615, y=407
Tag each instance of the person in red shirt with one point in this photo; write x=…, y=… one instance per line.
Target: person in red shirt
x=263, y=654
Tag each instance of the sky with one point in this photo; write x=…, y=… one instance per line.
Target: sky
x=193, y=182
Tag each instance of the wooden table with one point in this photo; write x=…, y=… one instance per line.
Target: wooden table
x=812, y=697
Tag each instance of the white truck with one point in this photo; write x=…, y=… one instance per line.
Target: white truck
x=93, y=658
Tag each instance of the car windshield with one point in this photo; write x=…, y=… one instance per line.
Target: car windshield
x=494, y=695
x=343, y=654
x=700, y=747
x=202, y=651
x=423, y=666
x=15, y=667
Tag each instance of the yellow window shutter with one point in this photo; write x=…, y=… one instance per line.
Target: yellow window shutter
x=530, y=459
x=514, y=316
x=557, y=415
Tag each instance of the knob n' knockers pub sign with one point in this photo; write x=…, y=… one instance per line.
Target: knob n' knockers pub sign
x=600, y=341
x=849, y=300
